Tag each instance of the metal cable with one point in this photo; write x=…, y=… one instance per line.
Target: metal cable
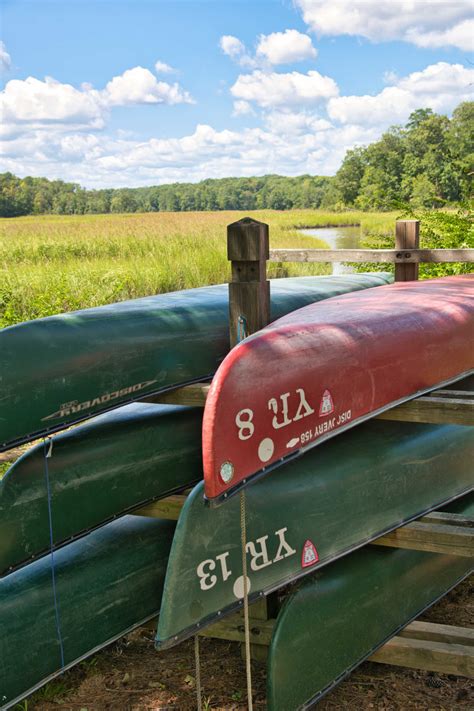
x=47, y=451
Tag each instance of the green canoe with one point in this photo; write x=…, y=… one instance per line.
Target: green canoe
x=107, y=583
x=311, y=512
x=97, y=471
x=341, y=615
x=63, y=369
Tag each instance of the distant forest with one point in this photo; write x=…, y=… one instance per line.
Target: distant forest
x=429, y=162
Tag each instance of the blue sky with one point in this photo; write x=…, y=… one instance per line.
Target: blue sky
x=115, y=92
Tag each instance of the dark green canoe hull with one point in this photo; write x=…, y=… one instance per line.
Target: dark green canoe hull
x=63, y=369
x=97, y=471
x=337, y=498
x=107, y=583
x=341, y=615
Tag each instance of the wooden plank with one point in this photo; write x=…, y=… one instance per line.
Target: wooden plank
x=433, y=410
x=407, y=237
x=427, y=409
x=456, y=394
x=401, y=257
x=232, y=629
x=448, y=519
x=439, y=633
x=431, y=537
x=441, y=657
x=194, y=394
x=168, y=508
x=249, y=290
x=421, y=645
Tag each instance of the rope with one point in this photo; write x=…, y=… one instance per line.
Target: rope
x=248, y=668
x=241, y=334
x=197, y=665
x=47, y=452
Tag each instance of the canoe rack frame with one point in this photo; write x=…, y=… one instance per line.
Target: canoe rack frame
x=421, y=645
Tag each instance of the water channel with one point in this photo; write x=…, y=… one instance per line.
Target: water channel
x=337, y=238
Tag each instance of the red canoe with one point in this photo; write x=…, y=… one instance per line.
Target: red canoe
x=329, y=366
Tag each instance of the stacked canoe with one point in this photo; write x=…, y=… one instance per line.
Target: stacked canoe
x=63, y=556
x=62, y=549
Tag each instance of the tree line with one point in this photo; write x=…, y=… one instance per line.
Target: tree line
x=428, y=162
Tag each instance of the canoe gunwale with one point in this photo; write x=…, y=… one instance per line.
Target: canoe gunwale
x=254, y=597
x=80, y=534
x=317, y=697
x=216, y=501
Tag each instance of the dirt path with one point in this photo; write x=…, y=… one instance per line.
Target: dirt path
x=132, y=676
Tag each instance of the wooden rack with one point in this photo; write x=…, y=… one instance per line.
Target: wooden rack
x=438, y=648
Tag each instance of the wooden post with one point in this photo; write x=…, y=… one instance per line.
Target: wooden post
x=407, y=236
x=249, y=290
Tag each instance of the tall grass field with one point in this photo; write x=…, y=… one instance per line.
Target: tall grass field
x=52, y=264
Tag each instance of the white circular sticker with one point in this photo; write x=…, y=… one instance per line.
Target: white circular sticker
x=265, y=449
x=227, y=472
x=239, y=587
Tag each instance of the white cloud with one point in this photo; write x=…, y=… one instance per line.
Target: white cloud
x=232, y=46
x=139, y=86
x=427, y=23
x=291, y=89
x=49, y=103
x=163, y=68
x=291, y=123
x=285, y=47
x=236, y=50
x=460, y=35
x=289, y=144
x=439, y=86
x=241, y=108
x=5, y=59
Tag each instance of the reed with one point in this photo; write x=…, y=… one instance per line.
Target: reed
x=51, y=264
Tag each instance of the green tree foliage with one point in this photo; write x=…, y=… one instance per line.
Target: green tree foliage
x=26, y=196
x=427, y=163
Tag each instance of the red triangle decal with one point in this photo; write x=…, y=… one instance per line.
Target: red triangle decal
x=309, y=555
x=327, y=405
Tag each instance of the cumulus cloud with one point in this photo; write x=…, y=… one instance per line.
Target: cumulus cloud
x=163, y=68
x=430, y=23
x=276, y=48
x=274, y=89
x=285, y=47
x=49, y=102
x=439, y=86
x=5, y=59
x=35, y=103
x=241, y=108
x=139, y=86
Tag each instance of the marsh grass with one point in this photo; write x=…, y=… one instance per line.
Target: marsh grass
x=51, y=264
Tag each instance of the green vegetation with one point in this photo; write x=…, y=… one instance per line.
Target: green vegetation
x=438, y=230
x=428, y=163
x=52, y=264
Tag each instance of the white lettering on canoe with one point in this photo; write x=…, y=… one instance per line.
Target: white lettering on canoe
x=245, y=426
x=288, y=550
x=70, y=408
x=273, y=405
x=209, y=573
x=262, y=555
x=303, y=410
